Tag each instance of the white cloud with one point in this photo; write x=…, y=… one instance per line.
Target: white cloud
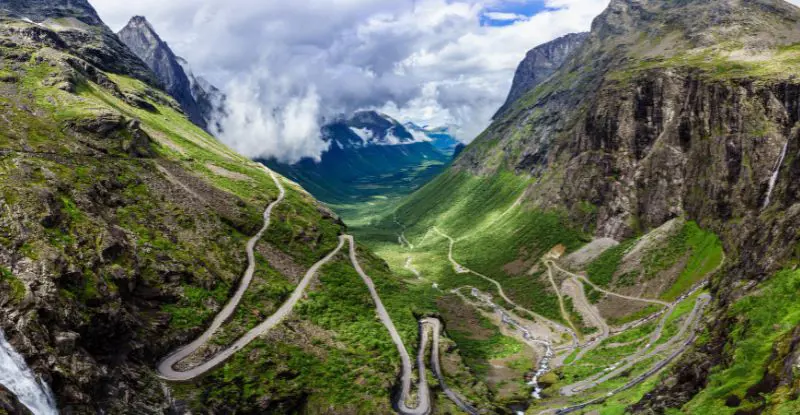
x=269, y=117
x=503, y=17
x=287, y=66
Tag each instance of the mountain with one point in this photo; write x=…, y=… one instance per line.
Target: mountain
x=211, y=101
x=539, y=64
x=199, y=99
x=662, y=153
x=369, y=155
x=125, y=229
x=81, y=32
x=441, y=137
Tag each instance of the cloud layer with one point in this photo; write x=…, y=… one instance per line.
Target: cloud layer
x=289, y=66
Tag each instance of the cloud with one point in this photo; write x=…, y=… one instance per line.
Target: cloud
x=270, y=116
x=289, y=66
x=503, y=16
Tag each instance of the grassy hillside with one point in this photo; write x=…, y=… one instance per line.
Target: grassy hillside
x=125, y=224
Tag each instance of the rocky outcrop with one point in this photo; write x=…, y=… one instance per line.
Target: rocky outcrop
x=143, y=40
x=105, y=209
x=211, y=102
x=9, y=404
x=74, y=26
x=539, y=64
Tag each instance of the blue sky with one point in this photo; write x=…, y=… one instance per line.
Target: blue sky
x=508, y=12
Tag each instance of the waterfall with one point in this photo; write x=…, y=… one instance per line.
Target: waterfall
x=544, y=367
x=18, y=378
x=774, y=178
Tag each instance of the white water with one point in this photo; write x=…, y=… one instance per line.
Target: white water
x=20, y=380
x=544, y=362
x=774, y=178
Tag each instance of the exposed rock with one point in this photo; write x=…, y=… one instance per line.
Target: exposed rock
x=102, y=124
x=89, y=38
x=10, y=405
x=670, y=109
x=199, y=99
x=539, y=64
x=66, y=341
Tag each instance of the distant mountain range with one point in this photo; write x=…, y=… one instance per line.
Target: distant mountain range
x=201, y=101
x=370, y=154
x=441, y=137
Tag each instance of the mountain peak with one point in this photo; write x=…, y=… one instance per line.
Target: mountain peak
x=539, y=64
x=141, y=27
x=140, y=22
x=700, y=23
x=140, y=37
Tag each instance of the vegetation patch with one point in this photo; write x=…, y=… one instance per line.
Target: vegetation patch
x=761, y=319
x=601, y=271
x=17, y=287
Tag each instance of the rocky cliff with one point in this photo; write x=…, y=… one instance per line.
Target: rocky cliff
x=80, y=31
x=198, y=99
x=539, y=64
x=667, y=109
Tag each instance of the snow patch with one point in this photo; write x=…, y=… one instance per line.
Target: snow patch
x=364, y=134
x=419, y=136
x=27, y=20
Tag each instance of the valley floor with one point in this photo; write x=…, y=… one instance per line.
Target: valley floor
x=546, y=332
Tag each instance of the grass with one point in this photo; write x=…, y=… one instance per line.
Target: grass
x=349, y=359
x=674, y=322
x=649, y=310
x=717, y=66
x=701, y=251
x=602, y=270
x=491, y=231
x=17, y=287
x=179, y=247
x=705, y=255
x=762, y=318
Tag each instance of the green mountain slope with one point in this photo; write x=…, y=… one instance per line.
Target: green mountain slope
x=122, y=233
x=670, y=109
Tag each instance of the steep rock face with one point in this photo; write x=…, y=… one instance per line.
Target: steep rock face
x=143, y=40
x=74, y=26
x=211, y=102
x=539, y=64
x=670, y=109
x=654, y=123
x=40, y=10
x=9, y=404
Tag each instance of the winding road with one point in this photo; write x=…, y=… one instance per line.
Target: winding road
x=429, y=328
x=673, y=345
x=693, y=320
x=578, y=280
x=641, y=355
x=166, y=368
x=460, y=269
